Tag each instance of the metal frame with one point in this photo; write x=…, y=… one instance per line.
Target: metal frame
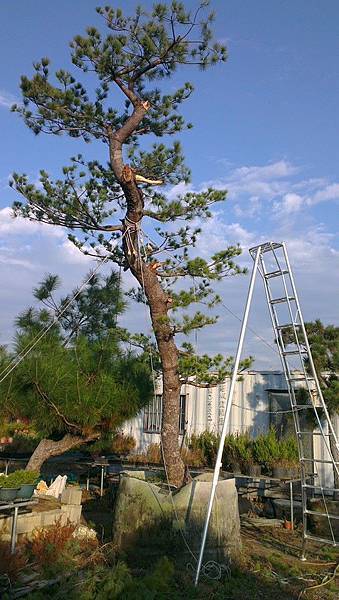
x=262, y=255
x=218, y=463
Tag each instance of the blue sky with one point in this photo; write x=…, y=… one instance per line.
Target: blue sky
x=265, y=127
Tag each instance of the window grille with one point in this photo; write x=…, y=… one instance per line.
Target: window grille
x=153, y=414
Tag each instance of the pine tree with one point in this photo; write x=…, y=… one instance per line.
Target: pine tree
x=324, y=344
x=73, y=388
x=102, y=203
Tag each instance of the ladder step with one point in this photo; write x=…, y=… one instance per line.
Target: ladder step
x=309, y=536
x=290, y=352
x=319, y=460
x=287, y=325
x=313, y=433
x=276, y=273
x=293, y=379
x=317, y=487
x=283, y=299
x=320, y=514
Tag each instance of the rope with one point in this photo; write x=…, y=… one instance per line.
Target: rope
x=222, y=303
x=211, y=569
x=325, y=581
x=41, y=334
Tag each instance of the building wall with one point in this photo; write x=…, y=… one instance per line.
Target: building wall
x=205, y=407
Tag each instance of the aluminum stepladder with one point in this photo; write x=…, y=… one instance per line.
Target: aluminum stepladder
x=298, y=366
x=272, y=262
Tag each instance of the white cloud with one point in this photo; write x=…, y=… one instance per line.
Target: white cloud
x=289, y=204
x=330, y=192
x=277, y=170
x=18, y=225
x=7, y=99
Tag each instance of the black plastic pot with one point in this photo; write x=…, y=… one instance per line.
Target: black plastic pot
x=26, y=491
x=8, y=494
x=253, y=470
x=280, y=472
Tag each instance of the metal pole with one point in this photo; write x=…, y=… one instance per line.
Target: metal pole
x=218, y=463
x=14, y=527
x=292, y=507
x=102, y=482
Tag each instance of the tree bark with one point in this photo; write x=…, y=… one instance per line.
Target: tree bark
x=48, y=448
x=156, y=297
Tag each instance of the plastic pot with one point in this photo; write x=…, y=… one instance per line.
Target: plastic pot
x=26, y=491
x=253, y=470
x=8, y=494
x=280, y=472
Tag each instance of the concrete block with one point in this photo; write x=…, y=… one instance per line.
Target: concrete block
x=141, y=505
x=71, y=495
x=71, y=512
x=282, y=510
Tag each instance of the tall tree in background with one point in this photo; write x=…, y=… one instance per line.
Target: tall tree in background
x=324, y=344
x=106, y=202
x=77, y=385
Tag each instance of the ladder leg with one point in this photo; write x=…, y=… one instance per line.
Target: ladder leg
x=303, y=549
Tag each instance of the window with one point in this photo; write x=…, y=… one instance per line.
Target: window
x=153, y=415
x=182, y=414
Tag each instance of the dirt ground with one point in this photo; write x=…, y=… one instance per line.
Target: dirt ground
x=269, y=565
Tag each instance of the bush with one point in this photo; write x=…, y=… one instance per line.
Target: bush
x=116, y=443
x=206, y=443
x=288, y=451
x=266, y=448
x=24, y=444
x=238, y=448
x=18, y=478
x=48, y=546
x=122, y=443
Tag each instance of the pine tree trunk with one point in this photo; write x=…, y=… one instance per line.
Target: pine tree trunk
x=158, y=304
x=156, y=296
x=48, y=448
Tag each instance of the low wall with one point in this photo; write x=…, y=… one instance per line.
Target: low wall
x=43, y=515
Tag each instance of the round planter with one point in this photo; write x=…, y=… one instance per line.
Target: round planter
x=8, y=494
x=286, y=472
x=253, y=470
x=26, y=491
x=236, y=468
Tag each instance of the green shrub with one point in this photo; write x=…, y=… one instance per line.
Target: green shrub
x=238, y=448
x=288, y=451
x=106, y=583
x=207, y=443
x=266, y=448
x=18, y=478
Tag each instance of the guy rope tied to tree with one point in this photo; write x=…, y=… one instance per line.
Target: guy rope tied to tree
x=136, y=52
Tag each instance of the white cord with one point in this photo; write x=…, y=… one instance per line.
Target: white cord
x=207, y=568
x=39, y=336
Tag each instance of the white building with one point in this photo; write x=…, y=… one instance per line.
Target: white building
x=260, y=400
x=202, y=408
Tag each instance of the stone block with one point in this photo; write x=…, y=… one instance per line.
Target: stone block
x=72, y=512
x=71, y=495
x=141, y=506
x=282, y=509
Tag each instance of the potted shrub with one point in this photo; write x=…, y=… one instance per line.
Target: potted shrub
x=266, y=449
x=27, y=481
x=8, y=488
x=285, y=469
x=286, y=465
